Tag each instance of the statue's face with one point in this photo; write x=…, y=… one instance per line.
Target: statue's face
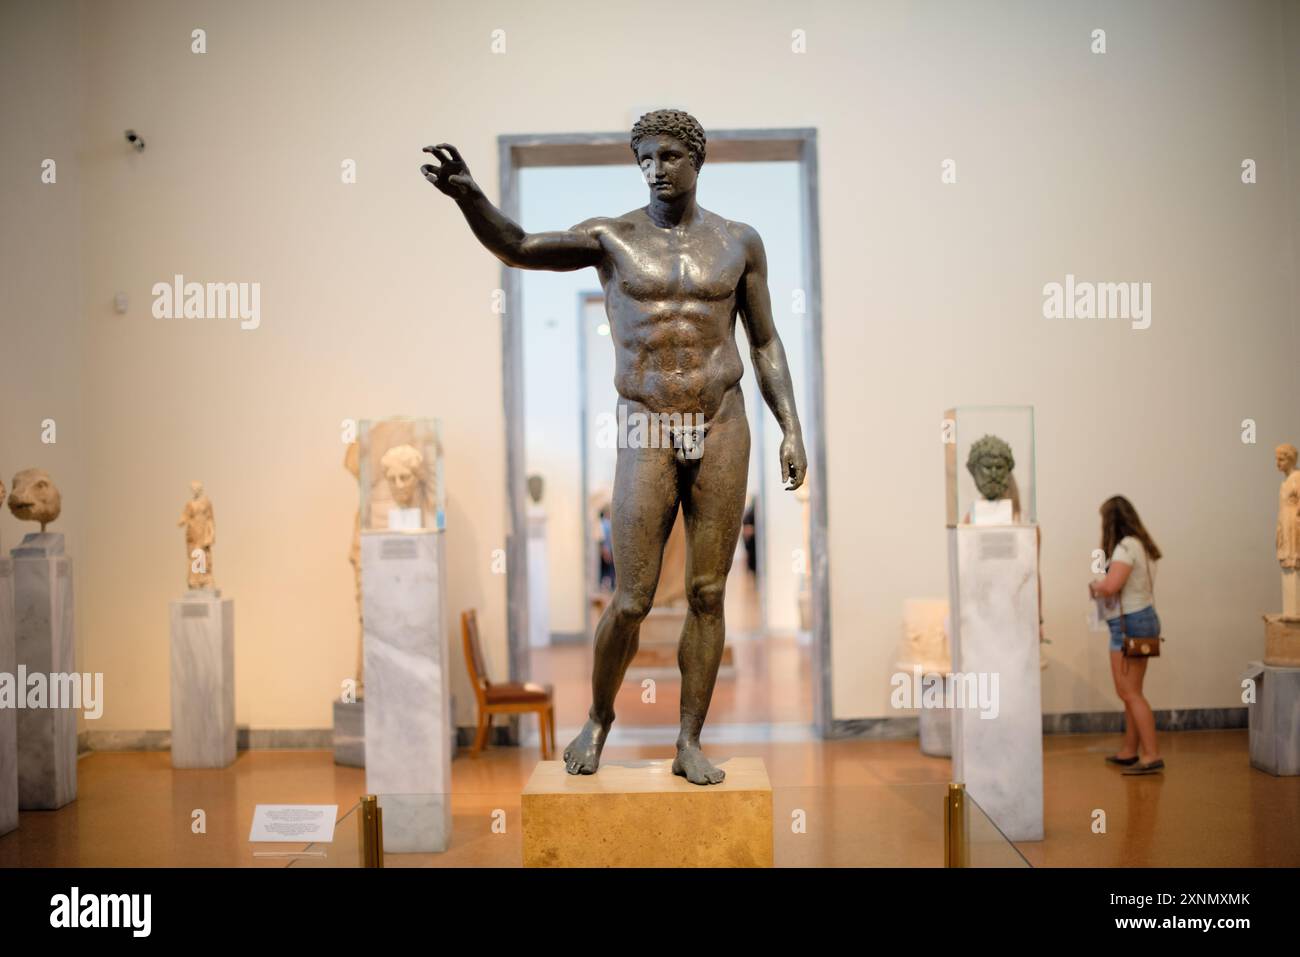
x=666, y=164
x=35, y=498
x=196, y=489
x=402, y=483
x=992, y=474
x=1285, y=460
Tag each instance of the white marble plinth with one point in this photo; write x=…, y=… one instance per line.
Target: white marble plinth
x=935, y=727
x=539, y=589
x=1290, y=593
x=997, y=744
x=1275, y=719
x=350, y=733
x=203, y=680
x=44, y=644
x=408, y=701
x=8, y=716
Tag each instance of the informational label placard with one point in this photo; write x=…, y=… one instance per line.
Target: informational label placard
x=294, y=823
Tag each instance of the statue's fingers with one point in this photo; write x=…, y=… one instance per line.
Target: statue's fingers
x=437, y=152
x=455, y=153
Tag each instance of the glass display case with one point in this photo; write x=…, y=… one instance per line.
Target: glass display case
x=989, y=464
x=401, y=475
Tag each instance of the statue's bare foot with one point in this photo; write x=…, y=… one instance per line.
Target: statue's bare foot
x=582, y=756
x=695, y=767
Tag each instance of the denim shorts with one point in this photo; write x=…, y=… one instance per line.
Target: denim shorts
x=1140, y=624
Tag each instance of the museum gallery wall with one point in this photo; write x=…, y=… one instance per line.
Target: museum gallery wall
x=374, y=303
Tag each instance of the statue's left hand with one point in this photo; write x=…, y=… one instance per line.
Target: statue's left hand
x=794, y=462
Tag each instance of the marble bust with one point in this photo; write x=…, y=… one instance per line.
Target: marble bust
x=35, y=498
x=403, y=468
x=200, y=534
x=402, y=465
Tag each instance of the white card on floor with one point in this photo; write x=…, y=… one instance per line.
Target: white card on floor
x=294, y=823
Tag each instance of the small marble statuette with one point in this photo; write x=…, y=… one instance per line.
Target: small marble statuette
x=1282, y=632
x=1288, y=508
x=35, y=498
x=403, y=467
x=200, y=534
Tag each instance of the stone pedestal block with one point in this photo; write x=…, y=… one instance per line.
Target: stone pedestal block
x=44, y=645
x=640, y=814
x=1275, y=719
x=350, y=733
x=8, y=716
x=408, y=727
x=935, y=726
x=203, y=680
x=997, y=742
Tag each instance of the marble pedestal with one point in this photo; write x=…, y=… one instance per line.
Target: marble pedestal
x=935, y=725
x=1275, y=719
x=408, y=715
x=997, y=745
x=44, y=644
x=640, y=814
x=203, y=680
x=539, y=593
x=8, y=716
x=350, y=733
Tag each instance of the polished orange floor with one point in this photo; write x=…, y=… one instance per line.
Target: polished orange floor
x=865, y=803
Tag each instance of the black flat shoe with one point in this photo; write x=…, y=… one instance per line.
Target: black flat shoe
x=1153, y=768
x=1122, y=762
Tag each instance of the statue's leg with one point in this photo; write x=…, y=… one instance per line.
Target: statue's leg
x=642, y=514
x=714, y=505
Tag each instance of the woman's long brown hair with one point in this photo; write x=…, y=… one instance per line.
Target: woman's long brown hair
x=1119, y=519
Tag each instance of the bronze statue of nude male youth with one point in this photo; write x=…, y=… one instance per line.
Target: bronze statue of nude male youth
x=676, y=277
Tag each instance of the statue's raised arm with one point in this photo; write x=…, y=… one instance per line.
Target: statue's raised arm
x=562, y=251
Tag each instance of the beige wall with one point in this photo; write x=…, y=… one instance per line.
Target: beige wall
x=376, y=300
x=41, y=326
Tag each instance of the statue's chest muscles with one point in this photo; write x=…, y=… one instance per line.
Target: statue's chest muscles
x=667, y=266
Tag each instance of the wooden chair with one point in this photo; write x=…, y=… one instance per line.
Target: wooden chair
x=511, y=698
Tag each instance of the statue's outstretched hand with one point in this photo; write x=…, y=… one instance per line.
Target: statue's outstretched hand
x=794, y=463
x=450, y=175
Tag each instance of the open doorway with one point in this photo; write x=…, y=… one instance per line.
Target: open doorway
x=558, y=366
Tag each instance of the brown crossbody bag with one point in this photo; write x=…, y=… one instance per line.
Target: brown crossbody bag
x=1141, y=647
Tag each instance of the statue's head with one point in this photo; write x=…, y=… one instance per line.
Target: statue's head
x=1286, y=457
x=669, y=148
x=536, y=485
x=990, y=463
x=35, y=497
x=403, y=467
x=196, y=488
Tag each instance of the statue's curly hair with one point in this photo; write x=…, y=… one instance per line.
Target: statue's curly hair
x=676, y=123
x=403, y=455
x=990, y=443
